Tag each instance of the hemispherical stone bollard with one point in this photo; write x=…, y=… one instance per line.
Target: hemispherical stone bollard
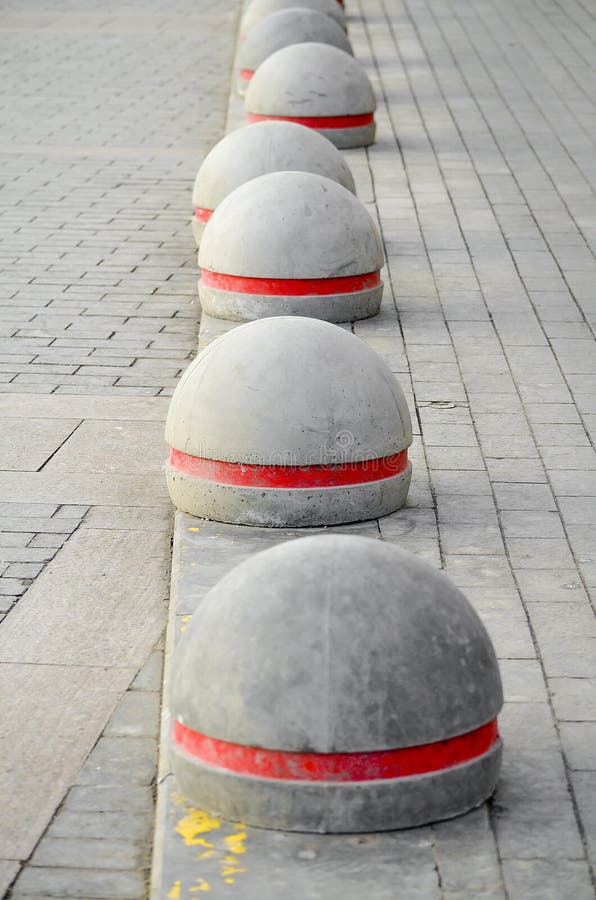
x=256, y=150
x=288, y=421
x=261, y=9
x=291, y=243
x=335, y=684
x=288, y=26
x=315, y=85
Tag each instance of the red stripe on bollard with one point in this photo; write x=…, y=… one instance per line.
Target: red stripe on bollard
x=257, y=476
x=291, y=287
x=246, y=74
x=365, y=766
x=316, y=121
x=203, y=215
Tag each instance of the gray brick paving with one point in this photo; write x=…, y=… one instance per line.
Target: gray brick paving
x=107, y=113
x=30, y=537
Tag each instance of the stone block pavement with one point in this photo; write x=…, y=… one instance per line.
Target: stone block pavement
x=482, y=180
x=107, y=110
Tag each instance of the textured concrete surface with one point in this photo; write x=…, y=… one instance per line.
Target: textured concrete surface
x=482, y=180
x=104, y=130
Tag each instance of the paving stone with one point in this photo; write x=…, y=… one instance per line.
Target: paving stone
x=524, y=496
x=467, y=510
x=550, y=585
x=578, y=740
x=544, y=829
x=150, y=676
x=126, y=824
x=26, y=444
x=539, y=553
x=531, y=775
x=137, y=715
x=574, y=699
x=81, y=883
x=81, y=853
x=112, y=447
x=126, y=569
x=467, y=856
x=544, y=879
x=523, y=681
x=483, y=540
x=55, y=735
x=120, y=760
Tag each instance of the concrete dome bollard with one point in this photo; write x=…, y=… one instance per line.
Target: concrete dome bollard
x=288, y=421
x=335, y=684
x=256, y=150
x=315, y=85
x=291, y=243
x=261, y=9
x=289, y=26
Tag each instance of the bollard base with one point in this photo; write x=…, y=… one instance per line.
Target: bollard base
x=291, y=508
x=349, y=138
x=330, y=308
x=332, y=808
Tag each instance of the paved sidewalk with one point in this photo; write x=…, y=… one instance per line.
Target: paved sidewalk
x=107, y=110
x=482, y=179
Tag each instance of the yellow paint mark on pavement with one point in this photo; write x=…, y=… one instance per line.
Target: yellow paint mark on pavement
x=194, y=529
x=235, y=843
x=195, y=823
x=201, y=842
x=216, y=846
x=230, y=870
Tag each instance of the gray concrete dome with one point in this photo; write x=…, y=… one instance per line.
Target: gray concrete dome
x=339, y=645
x=290, y=229
x=260, y=149
x=295, y=25
x=261, y=9
x=289, y=394
x=316, y=85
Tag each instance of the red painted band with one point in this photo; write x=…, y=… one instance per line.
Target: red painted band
x=256, y=476
x=371, y=766
x=316, y=121
x=247, y=74
x=291, y=287
x=203, y=215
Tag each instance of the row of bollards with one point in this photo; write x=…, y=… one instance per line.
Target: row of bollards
x=335, y=683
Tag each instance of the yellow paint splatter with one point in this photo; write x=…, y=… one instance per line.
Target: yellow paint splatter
x=195, y=823
x=235, y=843
x=230, y=880
x=194, y=529
x=208, y=854
x=201, y=885
x=185, y=620
x=201, y=842
x=174, y=892
x=230, y=870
